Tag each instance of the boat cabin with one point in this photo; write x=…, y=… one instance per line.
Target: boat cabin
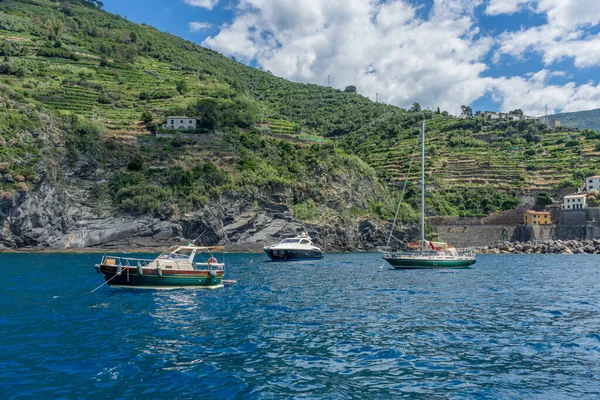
x=296, y=240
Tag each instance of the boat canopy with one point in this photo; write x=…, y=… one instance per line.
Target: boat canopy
x=429, y=245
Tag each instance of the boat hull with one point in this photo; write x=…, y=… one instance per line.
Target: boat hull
x=415, y=263
x=170, y=279
x=293, y=255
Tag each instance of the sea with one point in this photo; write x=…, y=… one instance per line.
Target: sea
x=344, y=327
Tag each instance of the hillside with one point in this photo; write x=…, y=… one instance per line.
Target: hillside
x=83, y=91
x=589, y=119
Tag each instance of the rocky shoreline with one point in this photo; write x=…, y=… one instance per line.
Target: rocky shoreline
x=548, y=247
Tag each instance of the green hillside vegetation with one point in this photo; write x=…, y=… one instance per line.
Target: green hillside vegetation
x=80, y=83
x=589, y=119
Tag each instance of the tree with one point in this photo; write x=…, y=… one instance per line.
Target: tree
x=416, y=107
x=518, y=111
x=466, y=111
x=136, y=163
x=181, y=86
x=147, y=117
x=350, y=89
x=544, y=199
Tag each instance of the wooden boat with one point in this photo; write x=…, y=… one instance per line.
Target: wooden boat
x=430, y=254
x=175, y=268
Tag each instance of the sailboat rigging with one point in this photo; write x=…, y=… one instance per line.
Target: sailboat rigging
x=431, y=254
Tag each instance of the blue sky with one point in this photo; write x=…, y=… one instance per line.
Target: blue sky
x=492, y=54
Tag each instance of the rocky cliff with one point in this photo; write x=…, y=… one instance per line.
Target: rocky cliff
x=66, y=217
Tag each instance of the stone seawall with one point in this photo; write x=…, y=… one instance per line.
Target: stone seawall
x=548, y=247
x=474, y=235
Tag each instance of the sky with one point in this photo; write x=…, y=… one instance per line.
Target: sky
x=496, y=55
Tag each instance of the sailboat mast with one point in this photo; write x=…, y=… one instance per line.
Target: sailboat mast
x=423, y=187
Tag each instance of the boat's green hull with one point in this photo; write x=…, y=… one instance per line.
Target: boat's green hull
x=407, y=263
x=130, y=278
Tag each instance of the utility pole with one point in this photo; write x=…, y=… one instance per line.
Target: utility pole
x=546, y=117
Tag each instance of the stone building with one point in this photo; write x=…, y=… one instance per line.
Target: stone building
x=574, y=201
x=531, y=218
x=178, y=122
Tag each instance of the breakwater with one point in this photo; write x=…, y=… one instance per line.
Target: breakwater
x=546, y=247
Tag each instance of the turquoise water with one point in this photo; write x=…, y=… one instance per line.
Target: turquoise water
x=343, y=327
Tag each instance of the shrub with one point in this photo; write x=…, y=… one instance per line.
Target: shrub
x=57, y=52
x=102, y=99
x=141, y=199
x=136, y=163
x=147, y=117
x=306, y=210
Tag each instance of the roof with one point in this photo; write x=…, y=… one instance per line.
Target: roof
x=594, y=177
x=576, y=195
x=538, y=212
x=178, y=116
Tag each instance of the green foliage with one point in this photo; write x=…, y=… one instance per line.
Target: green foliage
x=136, y=163
x=57, y=52
x=142, y=199
x=181, y=86
x=83, y=139
x=544, y=199
x=12, y=67
x=470, y=202
x=307, y=210
x=147, y=117
x=350, y=89
x=99, y=66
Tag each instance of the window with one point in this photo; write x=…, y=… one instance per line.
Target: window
x=591, y=187
x=181, y=121
x=172, y=121
x=591, y=180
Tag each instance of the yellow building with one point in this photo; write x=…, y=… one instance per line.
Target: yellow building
x=532, y=218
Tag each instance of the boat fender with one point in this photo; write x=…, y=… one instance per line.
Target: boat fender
x=159, y=270
x=211, y=260
x=119, y=269
x=212, y=273
x=140, y=270
x=98, y=270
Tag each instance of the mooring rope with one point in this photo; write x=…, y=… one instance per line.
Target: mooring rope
x=106, y=282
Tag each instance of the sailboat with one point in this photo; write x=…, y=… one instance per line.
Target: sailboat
x=428, y=254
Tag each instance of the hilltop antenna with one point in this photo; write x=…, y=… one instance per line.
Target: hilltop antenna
x=376, y=97
x=546, y=117
x=328, y=81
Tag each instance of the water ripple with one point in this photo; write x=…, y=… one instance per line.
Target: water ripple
x=342, y=327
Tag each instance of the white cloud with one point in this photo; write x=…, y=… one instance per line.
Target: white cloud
x=532, y=95
x=378, y=46
x=197, y=26
x=208, y=4
x=394, y=49
x=496, y=7
x=562, y=36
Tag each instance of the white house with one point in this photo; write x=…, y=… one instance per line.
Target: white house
x=593, y=182
x=177, y=122
x=574, y=201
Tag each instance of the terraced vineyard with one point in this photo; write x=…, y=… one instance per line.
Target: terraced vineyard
x=553, y=159
x=63, y=58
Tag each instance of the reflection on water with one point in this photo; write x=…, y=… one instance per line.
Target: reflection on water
x=346, y=326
